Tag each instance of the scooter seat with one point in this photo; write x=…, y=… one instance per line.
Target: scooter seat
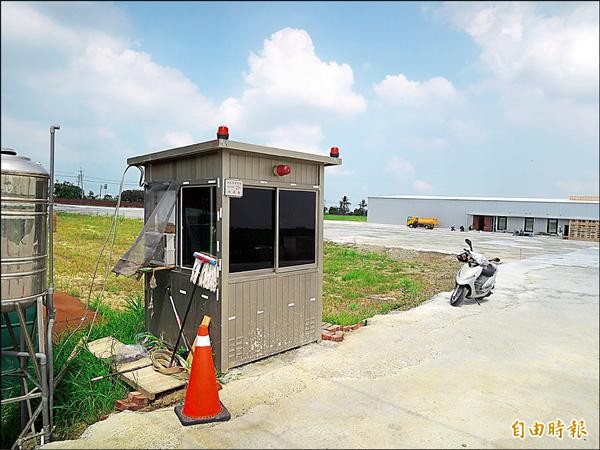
x=488, y=271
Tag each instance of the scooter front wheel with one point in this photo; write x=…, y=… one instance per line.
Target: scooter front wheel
x=458, y=295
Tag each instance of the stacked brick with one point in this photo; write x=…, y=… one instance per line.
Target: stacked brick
x=335, y=333
x=133, y=402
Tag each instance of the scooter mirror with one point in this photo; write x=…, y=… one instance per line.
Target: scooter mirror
x=468, y=241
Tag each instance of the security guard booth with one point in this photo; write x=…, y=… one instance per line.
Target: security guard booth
x=259, y=211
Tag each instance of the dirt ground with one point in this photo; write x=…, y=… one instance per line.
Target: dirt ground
x=69, y=313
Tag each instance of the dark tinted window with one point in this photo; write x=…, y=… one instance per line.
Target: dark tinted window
x=297, y=216
x=529, y=224
x=552, y=225
x=252, y=230
x=501, y=223
x=199, y=233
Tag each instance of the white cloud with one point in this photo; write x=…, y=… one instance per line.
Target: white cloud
x=300, y=137
x=422, y=186
x=555, y=53
x=399, y=90
x=177, y=139
x=25, y=136
x=399, y=166
x=338, y=171
x=288, y=70
x=288, y=83
x=24, y=24
x=120, y=83
x=97, y=81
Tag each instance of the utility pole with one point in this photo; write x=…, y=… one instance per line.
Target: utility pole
x=80, y=181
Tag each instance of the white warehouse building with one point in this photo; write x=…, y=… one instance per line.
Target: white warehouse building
x=531, y=215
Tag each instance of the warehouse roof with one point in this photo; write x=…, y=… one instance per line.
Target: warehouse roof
x=211, y=146
x=496, y=199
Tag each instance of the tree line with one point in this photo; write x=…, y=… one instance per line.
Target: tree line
x=344, y=208
x=66, y=189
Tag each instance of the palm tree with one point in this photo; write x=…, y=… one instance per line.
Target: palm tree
x=362, y=207
x=344, y=205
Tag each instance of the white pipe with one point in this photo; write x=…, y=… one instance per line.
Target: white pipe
x=50, y=305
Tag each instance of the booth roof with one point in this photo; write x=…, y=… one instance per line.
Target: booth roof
x=217, y=144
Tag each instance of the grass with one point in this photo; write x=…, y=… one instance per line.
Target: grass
x=358, y=284
x=348, y=218
x=77, y=243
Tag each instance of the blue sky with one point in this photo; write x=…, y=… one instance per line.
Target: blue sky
x=422, y=98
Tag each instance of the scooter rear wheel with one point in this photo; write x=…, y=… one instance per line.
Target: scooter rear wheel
x=458, y=295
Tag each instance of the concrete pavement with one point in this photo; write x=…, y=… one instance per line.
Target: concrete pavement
x=503, y=245
x=435, y=376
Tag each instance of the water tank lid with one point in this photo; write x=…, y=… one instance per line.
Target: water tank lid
x=21, y=165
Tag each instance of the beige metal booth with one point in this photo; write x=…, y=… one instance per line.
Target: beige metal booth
x=259, y=211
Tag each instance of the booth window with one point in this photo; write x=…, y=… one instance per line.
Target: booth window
x=252, y=230
x=198, y=217
x=529, y=224
x=501, y=224
x=297, y=219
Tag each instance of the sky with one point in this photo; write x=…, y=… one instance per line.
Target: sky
x=465, y=99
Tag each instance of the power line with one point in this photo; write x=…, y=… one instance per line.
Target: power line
x=90, y=180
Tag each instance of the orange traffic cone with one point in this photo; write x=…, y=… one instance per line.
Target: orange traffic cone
x=202, y=404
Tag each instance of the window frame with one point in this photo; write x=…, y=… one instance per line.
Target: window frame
x=179, y=222
x=532, y=224
x=299, y=266
x=498, y=223
x=548, y=226
x=237, y=276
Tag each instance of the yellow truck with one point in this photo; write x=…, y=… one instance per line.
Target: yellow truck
x=426, y=222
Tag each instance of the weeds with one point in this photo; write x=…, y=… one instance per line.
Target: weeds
x=358, y=284
x=79, y=402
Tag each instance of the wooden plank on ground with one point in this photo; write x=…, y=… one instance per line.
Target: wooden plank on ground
x=143, y=378
x=130, y=365
x=151, y=382
x=105, y=347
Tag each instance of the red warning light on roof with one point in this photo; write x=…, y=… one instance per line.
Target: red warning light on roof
x=223, y=132
x=282, y=170
x=334, y=152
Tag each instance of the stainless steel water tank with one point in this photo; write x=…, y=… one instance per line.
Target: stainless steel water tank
x=24, y=188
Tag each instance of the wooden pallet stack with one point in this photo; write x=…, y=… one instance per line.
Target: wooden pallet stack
x=584, y=230
x=585, y=198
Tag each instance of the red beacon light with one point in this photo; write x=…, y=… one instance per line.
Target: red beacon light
x=282, y=170
x=334, y=152
x=223, y=132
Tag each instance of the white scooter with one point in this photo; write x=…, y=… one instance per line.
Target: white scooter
x=476, y=279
